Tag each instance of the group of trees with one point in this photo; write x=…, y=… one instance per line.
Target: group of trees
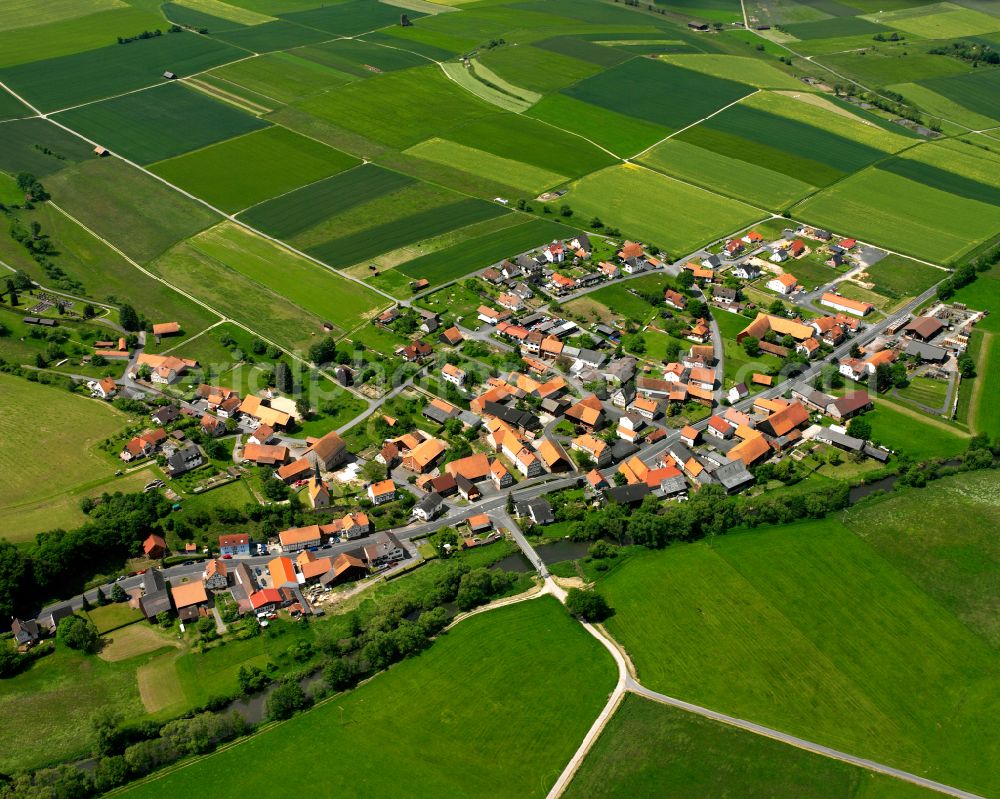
x=966, y=273
x=59, y=562
x=709, y=511
x=970, y=51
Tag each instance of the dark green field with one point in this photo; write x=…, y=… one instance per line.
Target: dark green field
x=808, y=170
x=247, y=170
x=271, y=36
x=649, y=749
x=533, y=142
x=658, y=92
x=795, y=138
x=830, y=28
x=942, y=179
x=457, y=720
x=978, y=91
x=159, y=123
x=115, y=69
x=39, y=147
x=354, y=56
x=578, y=47
x=469, y=256
x=366, y=243
x=11, y=107
x=350, y=18
x=292, y=213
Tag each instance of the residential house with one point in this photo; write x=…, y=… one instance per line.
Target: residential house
x=416, y=352
x=689, y=435
x=711, y=262
x=733, y=248
x=295, y=539
x=163, y=369
x=699, y=332
x=26, y=633
x=216, y=575
x=452, y=336
x=429, y=506
x=782, y=422
x=598, y=451
x=328, y=452
x=452, y=374
x=382, y=492
x=538, y=511
x=429, y=320
x=845, y=304
x=719, y=428
x=783, y=284
x=165, y=414
x=235, y=544
x=646, y=407
x=189, y=599
x=155, y=596
x=345, y=568
x=511, y=302
x=588, y=413
x=555, y=253
x=384, y=548
x=491, y=316
x=266, y=601
x=143, y=445
x=724, y=295
x=737, y=393
x=501, y=476
x=105, y=388
x=746, y=271
x=154, y=547
x=423, y=457
x=351, y=526
x=675, y=299
x=259, y=409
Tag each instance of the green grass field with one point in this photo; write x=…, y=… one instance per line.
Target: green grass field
x=425, y=103
x=52, y=38
x=56, y=698
x=895, y=276
x=656, y=209
x=133, y=211
x=39, y=147
x=621, y=134
x=955, y=563
x=71, y=427
x=648, y=746
x=399, y=231
x=325, y=293
x=904, y=429
x=620, y=299
x=159, y=123
x=977, y=91
x=249, y=169
x=484, y=726
x=924, y=391
x=469, y=256
x=940, y=21
x=660, y=93
x=890, y=210
x=726, y=175
x=754, y=71
x=281, y=77
x=537, y=69
x=984, y=295
x=300, y=210
x=523, y=176
x=115, y=69
x=821, y=631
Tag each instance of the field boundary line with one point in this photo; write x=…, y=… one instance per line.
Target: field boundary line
x=923, y=417
x=800, y=743
x=196, y=335
x=977, y=388
x=696, y=122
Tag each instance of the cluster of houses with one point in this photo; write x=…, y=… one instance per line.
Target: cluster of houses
x=181, y=454
x=806, y=338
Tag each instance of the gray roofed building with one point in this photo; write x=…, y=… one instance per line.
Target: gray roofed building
x=811, y=397
x=538, y=510
x=51, y=619
x=439, y=415
x=926, y=352
x=672, y=487
x=620, y=369
x=841, y=440
x=184, y=460
x=166, y=414
x=512, y=416
x=627, y=494
x=733, y=475
x=429, y=506
x=680, y=453
x=876, y=453
x=532, y=319
x=469, y=419
x=849, y=405
x=555, y=406
x=623, y=449
x=25, y=632
x=384, y=547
